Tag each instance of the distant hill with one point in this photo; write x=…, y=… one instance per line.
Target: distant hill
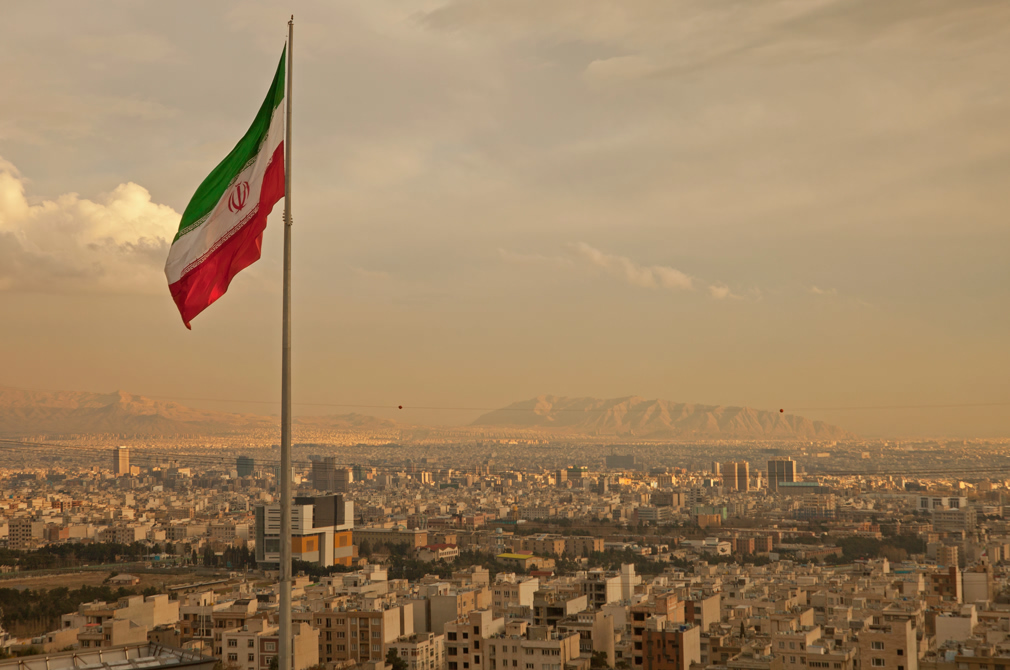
x=23, y=412
x=74, y=412
x=658, y=419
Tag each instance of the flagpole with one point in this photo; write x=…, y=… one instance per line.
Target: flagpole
x=285, y=632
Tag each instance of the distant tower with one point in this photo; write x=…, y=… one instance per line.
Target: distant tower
x=780, y=470
x=121, y=460
x=245, y=466
x=324, y=474
x=736, y=476
x=716, y=470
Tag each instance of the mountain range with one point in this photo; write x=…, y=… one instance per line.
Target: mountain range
x=658, y=419
x=26, y=412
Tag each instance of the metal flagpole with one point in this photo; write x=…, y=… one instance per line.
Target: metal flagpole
x=285, y=613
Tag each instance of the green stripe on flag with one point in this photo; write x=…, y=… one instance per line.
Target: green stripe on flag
x=217, y=182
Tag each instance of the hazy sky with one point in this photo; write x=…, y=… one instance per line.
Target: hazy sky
x=785, y=203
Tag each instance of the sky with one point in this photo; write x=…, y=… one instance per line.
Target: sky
x=780, y=204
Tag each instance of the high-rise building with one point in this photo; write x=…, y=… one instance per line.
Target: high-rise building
x=321, y=530
x=245, y=466
x=736, y=476
x=121, y=460
x=716, y=469
x=328, y=477
x=623, y=462
x=780, y=470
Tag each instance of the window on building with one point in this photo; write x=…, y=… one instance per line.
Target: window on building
x=232, y=643
x=232, y=657
x=270, y=646
x=252, y=658
x=250, y=643
x=879, y=646
x=877, y=663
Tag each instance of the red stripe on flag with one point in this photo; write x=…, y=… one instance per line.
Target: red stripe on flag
x=197, y=290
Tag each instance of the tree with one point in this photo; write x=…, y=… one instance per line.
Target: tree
x=365, y=549
x=394, y=660
x=599, y=660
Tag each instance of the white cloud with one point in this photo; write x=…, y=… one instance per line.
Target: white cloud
x=721, y=292
x=816, y=290
x=117, y=242
x=625, y=269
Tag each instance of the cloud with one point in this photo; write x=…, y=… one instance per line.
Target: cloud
x=627, y=270
x=816, y=290
x=720, y=292
x=116, y=243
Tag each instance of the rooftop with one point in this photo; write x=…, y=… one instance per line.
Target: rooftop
x=128, y=657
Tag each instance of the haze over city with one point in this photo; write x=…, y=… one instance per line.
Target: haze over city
x=773, y=205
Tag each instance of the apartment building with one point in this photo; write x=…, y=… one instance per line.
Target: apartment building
x=421, y=651
x=466, y=640
x=254, y=645
x=671, y=647
x=526, y=647
x=510, y=591
x=111, y=633
x=361, y=635
x=230, y=616
x=25, y=533
x=892, y=646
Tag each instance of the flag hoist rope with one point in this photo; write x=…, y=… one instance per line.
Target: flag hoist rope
x=285, y=632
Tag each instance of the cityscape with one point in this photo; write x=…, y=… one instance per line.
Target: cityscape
x=505, y=335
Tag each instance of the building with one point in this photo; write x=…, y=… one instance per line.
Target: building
x=946, y=584
x=736, y=476
x=531, y=648
x=325, y=478
x=623, y=462
x=389, y=537
x=955, y=519
x=672, y=647
x=254, y=645
x=947, y=555
x=551, y=607
x=511, y=591
x=245, y=466
x=780, y=470
x=24, y=533
x=421, y=651
x=321, y=530
x=121, y=461
x=437, y=552
x=892, y=646
x=466, y=640
x=583, y=545
x=928, y=503
x=111, y=633
x=655, y=515
x=360, y=635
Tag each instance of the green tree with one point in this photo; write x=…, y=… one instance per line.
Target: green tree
x=394, y=660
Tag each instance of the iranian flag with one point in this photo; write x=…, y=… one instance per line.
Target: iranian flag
x=221, y=232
